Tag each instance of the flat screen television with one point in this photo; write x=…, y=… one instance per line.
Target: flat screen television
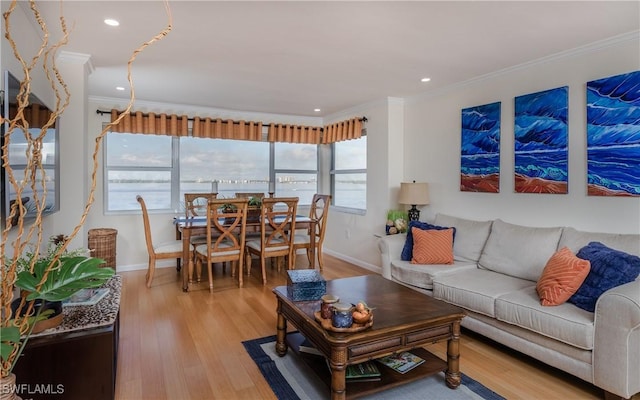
x=37, y=114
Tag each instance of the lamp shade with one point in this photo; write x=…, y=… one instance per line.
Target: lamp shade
x=414, y=193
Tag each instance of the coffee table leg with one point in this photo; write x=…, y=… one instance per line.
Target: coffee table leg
x=338, y=379
x=452, y=376
x=281, y=332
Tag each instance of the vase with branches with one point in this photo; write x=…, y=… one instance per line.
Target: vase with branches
x=53, y=273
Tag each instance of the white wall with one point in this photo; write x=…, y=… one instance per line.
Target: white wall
x=432, y=143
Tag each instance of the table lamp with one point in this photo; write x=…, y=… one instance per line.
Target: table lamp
x=414, y=194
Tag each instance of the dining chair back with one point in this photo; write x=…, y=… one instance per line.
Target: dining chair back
x=277, y=232
x=156, y=252
x=226, y=224
x=318, y=211
x=195, y=204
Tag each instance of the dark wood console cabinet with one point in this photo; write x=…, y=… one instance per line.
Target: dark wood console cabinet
x=70, y=364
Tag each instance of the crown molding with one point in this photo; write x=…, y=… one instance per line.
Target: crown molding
x=76, y=58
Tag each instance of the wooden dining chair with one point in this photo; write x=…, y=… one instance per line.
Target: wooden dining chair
x=225, y=236
x=162, y=251
x=277, y=232
x=195, y=205
x=319, y=211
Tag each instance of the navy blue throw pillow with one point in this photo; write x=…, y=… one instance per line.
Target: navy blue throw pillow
x=609, y=268
x=407, y=250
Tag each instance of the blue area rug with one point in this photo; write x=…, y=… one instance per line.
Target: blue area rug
x=291, y=378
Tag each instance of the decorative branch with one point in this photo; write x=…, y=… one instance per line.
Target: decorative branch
x=31, y=236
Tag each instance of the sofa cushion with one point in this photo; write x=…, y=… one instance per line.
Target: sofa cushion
x=561, y=277
x=519, y=251
x=609, y=268
x=421, y=275
x=565, y=322
x=575, y=240
x=471, y=236
x=476, y=289
x=434, y=246
x=407, y=250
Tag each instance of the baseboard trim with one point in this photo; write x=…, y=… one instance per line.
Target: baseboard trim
x=353, y=261
x=172, y=264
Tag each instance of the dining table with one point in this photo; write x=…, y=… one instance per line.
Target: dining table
x=187, y=227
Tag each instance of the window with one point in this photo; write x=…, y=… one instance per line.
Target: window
x=138, y=164
x=349, y=174
x=162, y=168
x=237, y=165
x=296, y=170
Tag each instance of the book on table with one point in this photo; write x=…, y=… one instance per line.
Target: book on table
x=364, y=371
x=401, y=362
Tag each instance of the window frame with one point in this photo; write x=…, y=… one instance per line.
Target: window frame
x=174, y=170
x=333, y=172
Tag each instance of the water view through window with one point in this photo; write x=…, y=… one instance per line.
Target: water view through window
x=146, y=165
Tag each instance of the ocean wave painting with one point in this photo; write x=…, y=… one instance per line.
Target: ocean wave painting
x=541, y=142
x=480, y=149
x=613, y=136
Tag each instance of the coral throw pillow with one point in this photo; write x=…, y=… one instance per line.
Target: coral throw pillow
x=609, y=268
x=561, y=277
x=407, y=250
x=432, y=246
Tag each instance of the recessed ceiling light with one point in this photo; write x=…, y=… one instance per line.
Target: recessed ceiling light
x=119, y=88
x=425, y=79
x=317, y=110
x=111, y=22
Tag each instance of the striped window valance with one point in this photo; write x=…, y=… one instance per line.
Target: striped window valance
x=336, y=132
x=343, y=130
x=179, y=125
x=227, y=129
x=294, y=134
x=153, y=124
x=36, y=115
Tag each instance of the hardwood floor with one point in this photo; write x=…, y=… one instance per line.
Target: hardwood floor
x=176, y=345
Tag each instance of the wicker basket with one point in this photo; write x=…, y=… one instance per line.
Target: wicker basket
x=102, y=244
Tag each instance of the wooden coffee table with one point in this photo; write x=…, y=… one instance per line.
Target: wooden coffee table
x=403, y=319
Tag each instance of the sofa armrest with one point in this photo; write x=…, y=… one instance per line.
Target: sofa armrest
x=390, y=247
x=617, y=340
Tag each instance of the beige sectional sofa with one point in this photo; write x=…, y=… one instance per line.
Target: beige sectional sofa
x=493, y=277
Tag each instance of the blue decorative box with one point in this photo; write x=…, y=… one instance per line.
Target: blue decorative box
x=305, y=285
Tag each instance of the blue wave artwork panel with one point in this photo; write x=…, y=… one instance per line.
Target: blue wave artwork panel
x=480, y=149
x=541, y=142
x=613, y=136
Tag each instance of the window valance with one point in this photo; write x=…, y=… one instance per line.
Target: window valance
x=36, y=115
x=178, y=125
x=227, y=129
x=294, y=134
x=343, y=130
x=154, y=124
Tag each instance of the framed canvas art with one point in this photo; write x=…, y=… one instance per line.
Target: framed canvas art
x=480, y=149
x=541, y=142
x=613, y=136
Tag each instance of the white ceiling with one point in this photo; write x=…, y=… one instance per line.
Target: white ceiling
x=291, y=57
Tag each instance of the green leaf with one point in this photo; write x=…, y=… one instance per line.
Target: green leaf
x=9, y=336
x=71, y=275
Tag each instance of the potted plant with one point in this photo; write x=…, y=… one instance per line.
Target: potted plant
x=54, y=277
